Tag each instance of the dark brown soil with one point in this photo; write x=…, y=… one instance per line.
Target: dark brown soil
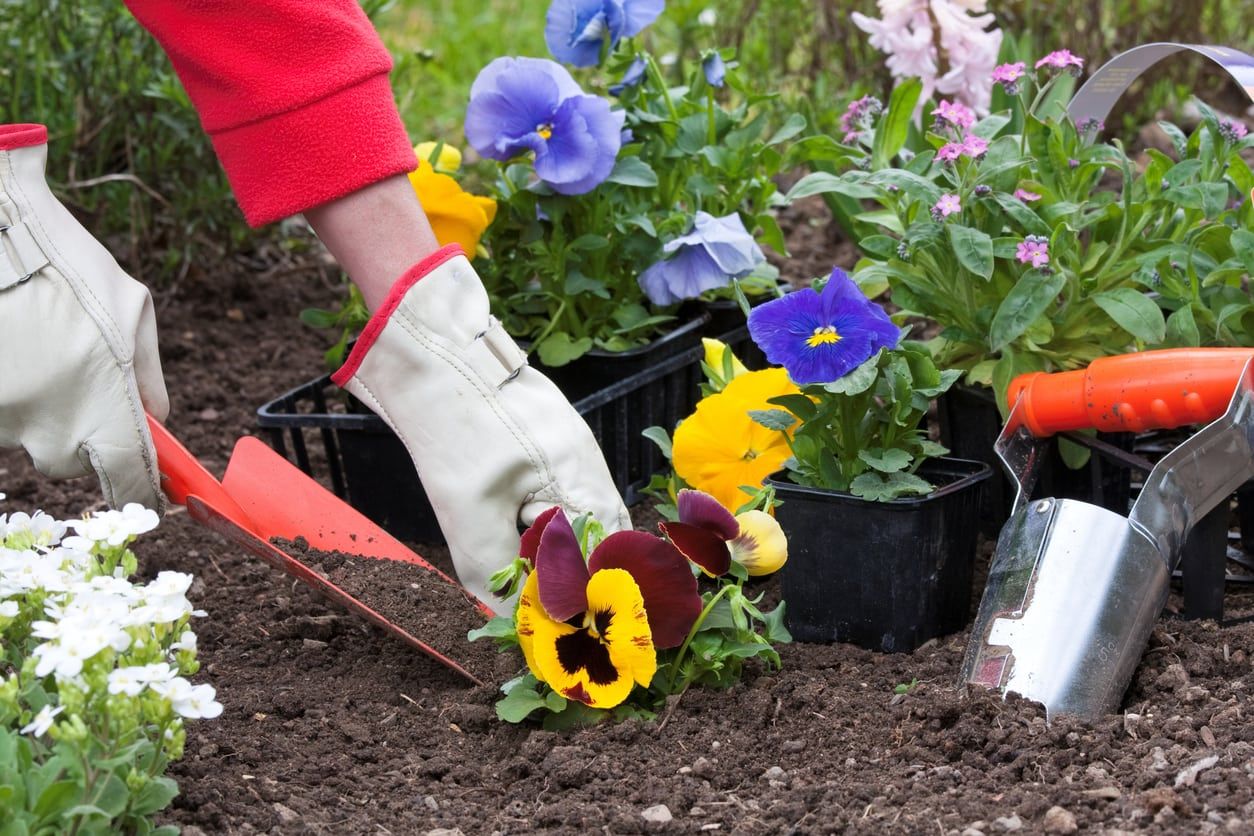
x=332, y=727
x=415, y=599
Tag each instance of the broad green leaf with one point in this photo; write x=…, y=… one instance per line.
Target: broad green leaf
x=1243, y=246
x=821, y=182
x=880, y=246
x=973, y=248
x=799, y=405
x=879, y=488
x=518, y=704
x=496, y=628
x=1074, y=456
x=660, y=437
x=773, y=419
x=886, y=461
x=1178, y=140
x=1135, y=313
x=559, y=348
x=894, y=125
x=155, y=795
x=858, y=380
x=1030, y=297
x=55, y=797
x=795, y=124
x=633, y=171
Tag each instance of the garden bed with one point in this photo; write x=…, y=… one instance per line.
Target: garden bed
x=330, y=727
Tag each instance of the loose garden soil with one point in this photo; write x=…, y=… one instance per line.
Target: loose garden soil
x=332, y=727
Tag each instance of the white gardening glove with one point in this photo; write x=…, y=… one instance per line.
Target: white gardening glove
x=78, y=340
x=494, y=441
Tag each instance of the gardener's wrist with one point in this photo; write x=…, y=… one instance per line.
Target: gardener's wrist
x=376, y=234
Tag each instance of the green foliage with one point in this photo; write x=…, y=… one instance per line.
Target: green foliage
x=1125, y=249
x=861, y=433
x=126, y=150
x=563, y=269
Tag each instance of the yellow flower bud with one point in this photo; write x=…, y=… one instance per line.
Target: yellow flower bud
x=450, y=158
x=715, y=351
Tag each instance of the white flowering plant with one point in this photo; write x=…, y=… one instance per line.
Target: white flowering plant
x=94, y=691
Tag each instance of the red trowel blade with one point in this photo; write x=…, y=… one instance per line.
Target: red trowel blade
x=264, y=497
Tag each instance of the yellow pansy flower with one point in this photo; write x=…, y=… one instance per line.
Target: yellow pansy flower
x=719, y=447
x=456, y=216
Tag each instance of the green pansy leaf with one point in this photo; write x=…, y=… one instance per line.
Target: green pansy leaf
x=930, y=449
x=518, y=704
x=497, y=628
x=858, y=380
x=1030, y=297
x=560, y=348
x=879, y=488
x=1134, y=312
x=633, y=171
x=800, y=405
x=660, y=437
x=773, y=419
x=886, y=461
x=973, y=248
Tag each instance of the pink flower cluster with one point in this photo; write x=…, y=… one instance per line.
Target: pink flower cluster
x=909, y=32
x=859, y=117
x=1062, y=59
x=971, y=146
x=1008, y=75
x=1033, y=250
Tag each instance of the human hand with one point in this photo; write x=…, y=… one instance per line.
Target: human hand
x=78, y=345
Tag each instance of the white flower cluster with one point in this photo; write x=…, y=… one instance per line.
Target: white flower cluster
x=908, y=32
x=79, y=604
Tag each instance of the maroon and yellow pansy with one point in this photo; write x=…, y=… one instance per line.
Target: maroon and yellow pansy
x=711, y=537
x=591, y=629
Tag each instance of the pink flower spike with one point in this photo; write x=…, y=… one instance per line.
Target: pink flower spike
x=1026, y=196
x=1061, y=59
x=1033, y=250
x=955, y=114
x=949, y=204
x=949, y=152
x=1008, y=73
x=974, y=146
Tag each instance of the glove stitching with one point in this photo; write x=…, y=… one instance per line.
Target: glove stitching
x=64, y=266
x=538, y=460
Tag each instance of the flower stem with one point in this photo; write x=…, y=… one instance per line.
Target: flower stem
x=696, y=627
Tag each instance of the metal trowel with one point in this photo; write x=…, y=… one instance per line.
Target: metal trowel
x=1074, y=589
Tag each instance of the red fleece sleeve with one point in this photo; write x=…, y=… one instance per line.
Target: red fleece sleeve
x=293, y=93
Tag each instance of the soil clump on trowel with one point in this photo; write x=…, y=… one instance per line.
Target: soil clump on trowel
x=416, y=600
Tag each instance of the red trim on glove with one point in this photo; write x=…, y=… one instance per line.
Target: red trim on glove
x=380, y=317
x=13, y=137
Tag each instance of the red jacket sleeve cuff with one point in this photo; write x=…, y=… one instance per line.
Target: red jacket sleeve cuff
x=284, y=164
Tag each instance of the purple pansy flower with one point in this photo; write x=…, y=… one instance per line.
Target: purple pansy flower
x=714, y=68
x=954, y=113
x=632, y=77
x=1033, y=250
x=575, y=30
x=716, y=251
x=821, y=337
x=532, y=104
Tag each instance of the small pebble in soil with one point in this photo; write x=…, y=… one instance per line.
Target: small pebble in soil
x=1059, y=820
x=1008, y=824
x=657, y=814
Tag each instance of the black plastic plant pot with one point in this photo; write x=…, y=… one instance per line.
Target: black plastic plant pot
x=969, y=426
x=885, y=576
x=600, y=369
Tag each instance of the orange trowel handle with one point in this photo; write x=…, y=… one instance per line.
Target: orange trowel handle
x=1132, y=392
x=182, y=475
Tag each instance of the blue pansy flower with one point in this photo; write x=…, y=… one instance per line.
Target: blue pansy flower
x=576, y=29
x=532, y=104
x=632, y=77
x=714, y=68
x=716, y=251
x=821, y=337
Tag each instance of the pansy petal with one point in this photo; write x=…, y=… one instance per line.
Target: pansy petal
x=528, y=614
x=562, y=573
x=667, y=584
x=640, y=13
x=700, y=545
x=530, y=543
x=761, y=546
x=700, y=509
x=616, y=605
